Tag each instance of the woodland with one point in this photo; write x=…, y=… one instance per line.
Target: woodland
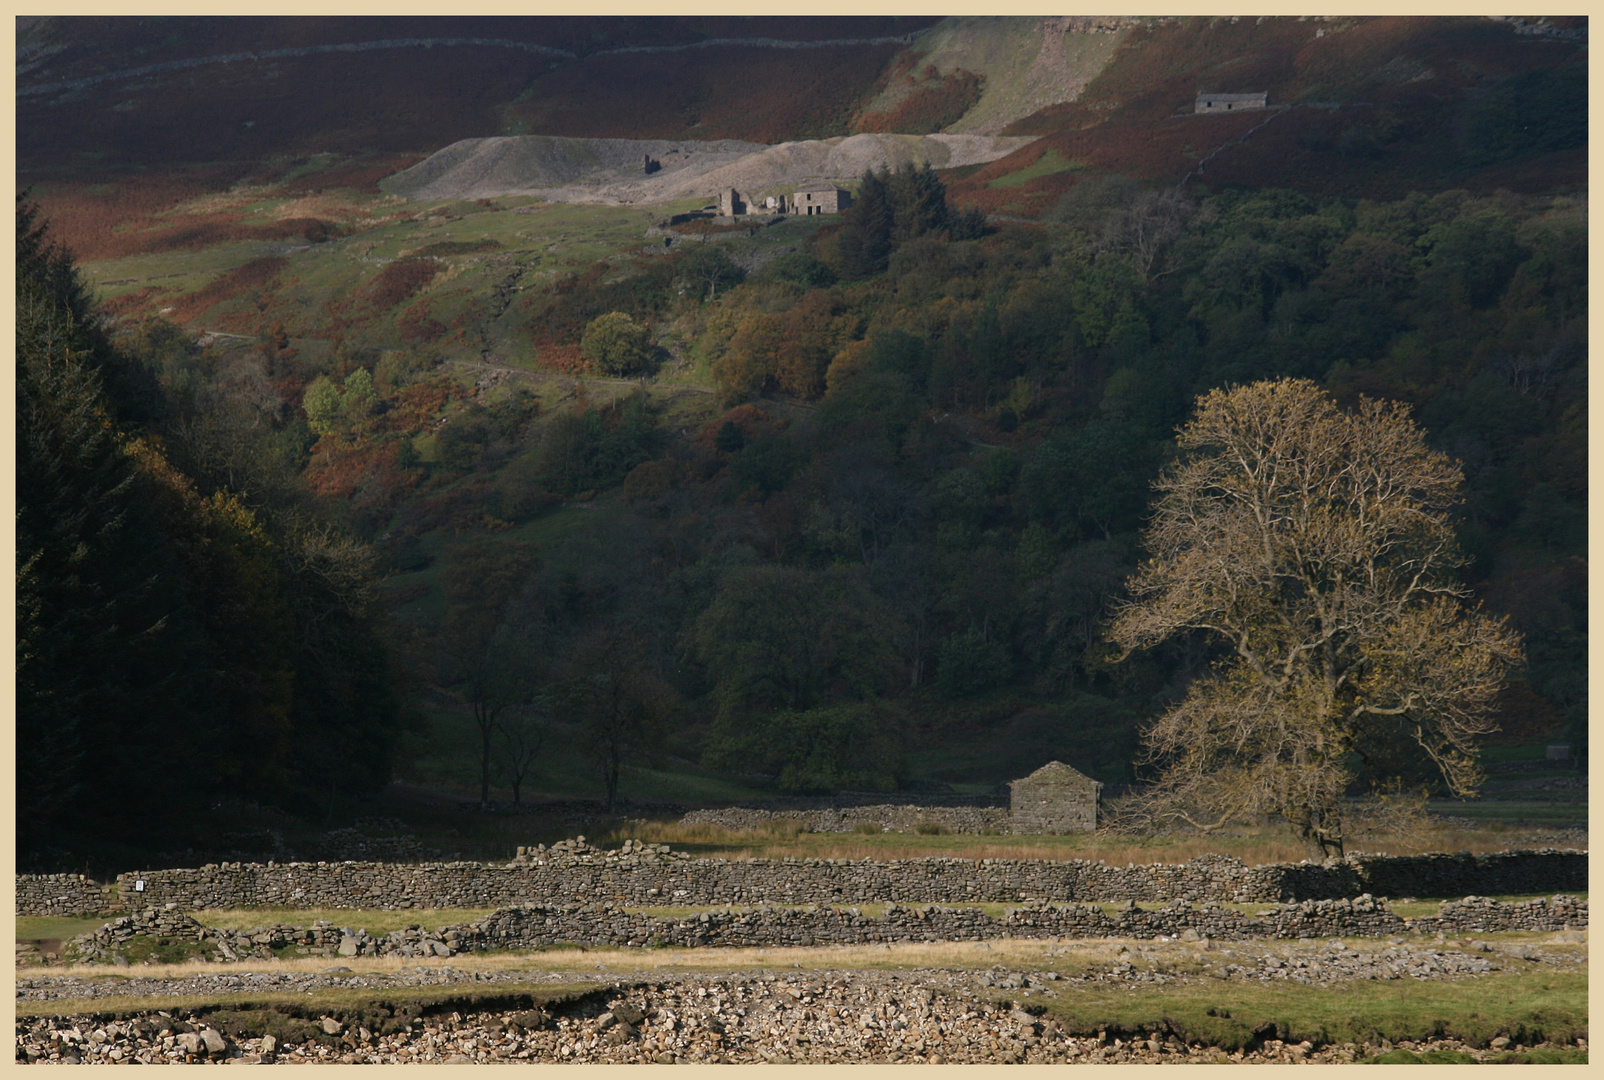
x=881, y=551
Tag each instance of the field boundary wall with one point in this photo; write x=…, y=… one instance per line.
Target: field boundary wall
x=658, y=878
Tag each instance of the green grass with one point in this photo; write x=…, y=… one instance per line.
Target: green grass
x=327, y=999
x=1527, y=1006
x=1049, y=163
x=177, y=271
x=375, y=921
x=52, y=927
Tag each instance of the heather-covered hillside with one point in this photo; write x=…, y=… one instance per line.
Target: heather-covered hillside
x=636, y=502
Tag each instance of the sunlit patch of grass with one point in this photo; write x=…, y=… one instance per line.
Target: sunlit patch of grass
x=373, y=920
x=1527, y=1005
x=1049, y=163
x=329, y=999
x=61, y=928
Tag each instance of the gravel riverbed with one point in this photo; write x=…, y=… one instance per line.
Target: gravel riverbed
x=819, y=1016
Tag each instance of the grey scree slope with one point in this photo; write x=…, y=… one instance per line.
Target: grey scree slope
x=610, y=170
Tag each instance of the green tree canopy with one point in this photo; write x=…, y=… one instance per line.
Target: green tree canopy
x=616, y=344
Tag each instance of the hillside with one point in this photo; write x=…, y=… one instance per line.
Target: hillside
x=610, y=170
x=423, y=300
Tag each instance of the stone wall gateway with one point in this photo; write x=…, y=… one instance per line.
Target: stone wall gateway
x=649, y=876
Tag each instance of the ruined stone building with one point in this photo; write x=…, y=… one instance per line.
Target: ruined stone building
x=1211, y=103
x=818, y=198
x=1053, y=799
x=814, y=197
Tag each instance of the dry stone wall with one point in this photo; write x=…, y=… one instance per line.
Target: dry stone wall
x=968, y=820
x=650, y=876
x=62, y=895
x=529, y=926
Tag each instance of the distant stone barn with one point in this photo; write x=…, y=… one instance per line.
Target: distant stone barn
x=1211, y=103
x=819, y=198
x=1053, y=799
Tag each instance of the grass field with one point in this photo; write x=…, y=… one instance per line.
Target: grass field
x=782, y=839
x=1531, y=1006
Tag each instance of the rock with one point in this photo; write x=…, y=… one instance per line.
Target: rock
x=190, y=1043
x=332, y=1026
x=213, y=1040
x=440, y=948
x=268, y=1044
x=348, y=945
x=459, y=1059
x=1190, y=934
x=1499, y=1043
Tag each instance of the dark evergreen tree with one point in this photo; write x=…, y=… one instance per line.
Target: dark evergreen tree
x=919, y=203
x=865, y=241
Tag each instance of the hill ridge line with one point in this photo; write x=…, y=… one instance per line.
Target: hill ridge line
x=403, y=43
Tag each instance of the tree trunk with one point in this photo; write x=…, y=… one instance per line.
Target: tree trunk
x=1322, y=835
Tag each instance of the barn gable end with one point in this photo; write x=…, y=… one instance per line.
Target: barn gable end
x=1053, y=799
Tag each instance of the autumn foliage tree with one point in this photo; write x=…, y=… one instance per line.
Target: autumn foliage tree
x=1317, y=546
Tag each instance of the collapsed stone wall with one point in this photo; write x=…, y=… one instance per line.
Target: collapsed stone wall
x=648, y=875
x=968, y=820
x=530, y=926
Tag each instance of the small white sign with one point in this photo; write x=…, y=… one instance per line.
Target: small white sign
x=139, y=886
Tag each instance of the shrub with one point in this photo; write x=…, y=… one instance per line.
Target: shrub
x=617, y=344
x=867, y=828
x=931, y=828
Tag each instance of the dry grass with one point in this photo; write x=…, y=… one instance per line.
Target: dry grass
x=1068, y=957
x=782, y=839
x=1012, y=952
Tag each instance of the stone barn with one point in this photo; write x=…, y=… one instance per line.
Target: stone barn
x=1212, y=103
x=819, y=198
x=1053, y=799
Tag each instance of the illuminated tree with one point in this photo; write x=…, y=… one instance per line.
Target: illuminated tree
x=1317, y=546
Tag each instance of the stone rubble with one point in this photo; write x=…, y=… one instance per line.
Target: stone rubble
x=740, y=1017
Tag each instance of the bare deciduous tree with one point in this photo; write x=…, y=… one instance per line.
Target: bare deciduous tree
x=1143, y=227
x=1317, y=545
x=523, y=741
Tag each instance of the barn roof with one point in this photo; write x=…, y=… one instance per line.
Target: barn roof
x=817, y=185
x=1057, y=772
